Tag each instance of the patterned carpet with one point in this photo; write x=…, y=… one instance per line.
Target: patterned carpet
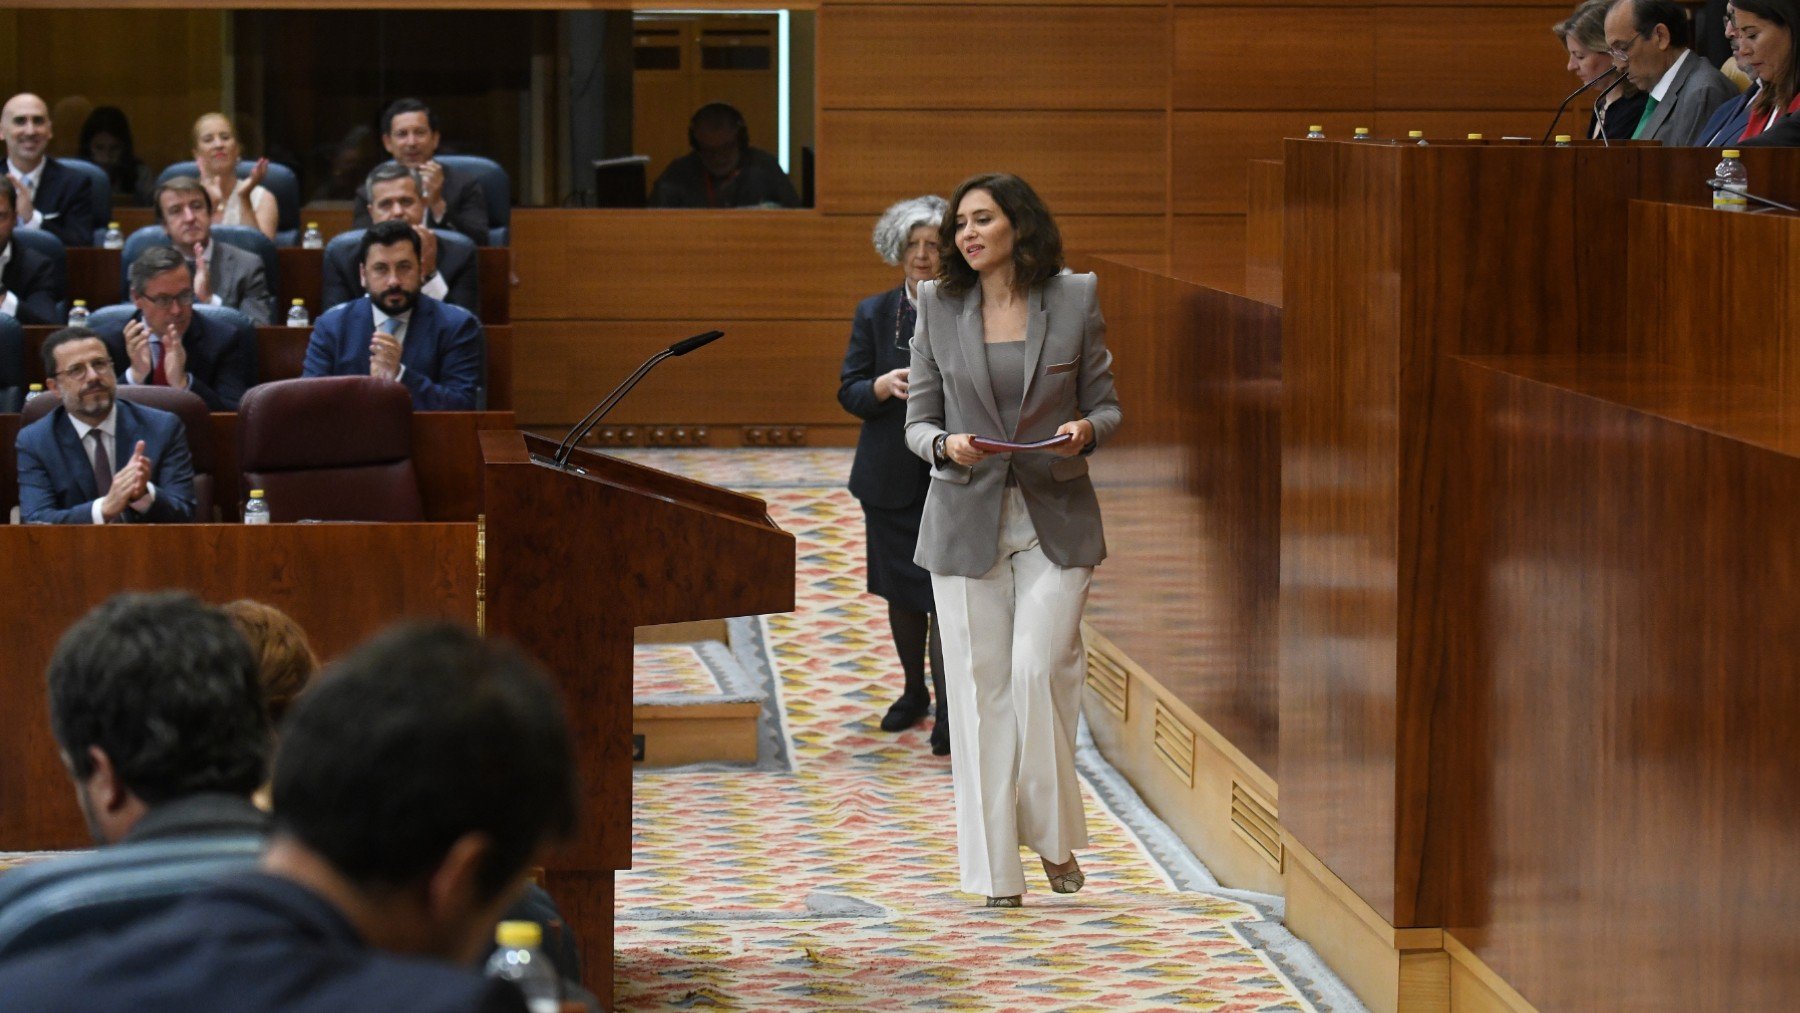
x=829, y=881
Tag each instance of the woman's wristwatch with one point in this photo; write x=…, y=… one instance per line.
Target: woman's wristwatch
x=940, y=449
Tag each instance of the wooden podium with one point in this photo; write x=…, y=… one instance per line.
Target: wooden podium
x=576, y=559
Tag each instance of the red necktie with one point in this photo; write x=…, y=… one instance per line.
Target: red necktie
x=157, y=375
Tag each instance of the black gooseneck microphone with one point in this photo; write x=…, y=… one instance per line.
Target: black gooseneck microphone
x=1551, y=130
x=580, y=429
x=1599, y=116
x=1755, y=199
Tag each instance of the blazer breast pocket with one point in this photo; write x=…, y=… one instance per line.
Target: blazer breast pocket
x=1062, y=367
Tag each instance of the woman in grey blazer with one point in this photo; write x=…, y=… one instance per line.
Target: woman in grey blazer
x=1008, y=347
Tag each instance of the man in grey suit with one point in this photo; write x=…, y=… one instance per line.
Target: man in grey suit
x=1650, y=40
x=224, y=275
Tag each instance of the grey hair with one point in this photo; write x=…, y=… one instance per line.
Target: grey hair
x=391, y=170
x=898, y=222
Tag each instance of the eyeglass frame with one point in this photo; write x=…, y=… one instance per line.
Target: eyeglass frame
x=100, y=367
x=163, y=302
x=1623, y=54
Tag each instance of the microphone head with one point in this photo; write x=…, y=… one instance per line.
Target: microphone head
x=686, y=345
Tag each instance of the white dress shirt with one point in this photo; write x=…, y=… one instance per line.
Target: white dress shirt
x=1667, y=81
x=399, y=332
x=9, y=300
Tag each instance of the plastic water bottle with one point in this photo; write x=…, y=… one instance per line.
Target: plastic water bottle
x=1417, y=137
x=33, y=391
x=1362, y=134
x=114, y=238
x=1564, y=140
x=257, y=510
x=1732, y=182
x=297, y=317
x=1315, y=132
x=78, y=312
x=312, y=238
x=520, y=960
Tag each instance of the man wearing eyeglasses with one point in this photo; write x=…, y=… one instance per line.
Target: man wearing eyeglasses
x=70, y=469
x=1650, y=40
x=166, y=343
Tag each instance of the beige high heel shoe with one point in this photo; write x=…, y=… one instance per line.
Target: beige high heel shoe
x=1068, y=881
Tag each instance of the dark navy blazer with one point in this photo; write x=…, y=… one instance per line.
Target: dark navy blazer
x=56, y=478
x=885, y=473
x=1727, y=123
x=253, y=942
x=442, y=350
x=221, y=363
x=31, y=277
x=64, y=197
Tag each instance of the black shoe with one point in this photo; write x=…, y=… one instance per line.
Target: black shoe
x=940, y=744
x=906, y=712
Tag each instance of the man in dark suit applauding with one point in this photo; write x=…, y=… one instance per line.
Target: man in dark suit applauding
x=396, y=333
x=453, y=200
x=446, y=260
x=27, y=278
x=68, y=460
x=166, y=343
x=51, y=195
x=224, y=275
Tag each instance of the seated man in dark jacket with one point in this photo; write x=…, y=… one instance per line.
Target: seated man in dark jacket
x=415, y=786
x=448, y=267
x=69, y=461
x=28, y=286
x=723, y=170
x=168, y=344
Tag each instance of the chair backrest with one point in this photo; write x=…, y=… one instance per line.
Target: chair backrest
x=332, y=448
x=66, y=898
x=12, y=364
x=46, y=244
x=279, y=180
x=99, y=193
x=196, y=419
x=496, y=186
x=245, y=237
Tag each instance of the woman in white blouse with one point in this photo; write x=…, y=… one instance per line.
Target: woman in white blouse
x=234, y=201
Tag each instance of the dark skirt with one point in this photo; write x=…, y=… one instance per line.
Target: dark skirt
x=893, y=536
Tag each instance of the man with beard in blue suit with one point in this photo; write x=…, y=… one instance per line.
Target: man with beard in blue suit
x=393, y=332
x=67, y=473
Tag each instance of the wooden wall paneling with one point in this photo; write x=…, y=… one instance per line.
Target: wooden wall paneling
x=724, y=265
x=773, y=371
x=1190, y=489
x=1112, y=236
x=1210, y=152
x=1470, y=58
x=1062, y=58
x=1630, y=698
x=1263, y=232
x=1453, y=126
x=1222, y=58
x=1080, y=162
x=423, y=571
x=1209, y=250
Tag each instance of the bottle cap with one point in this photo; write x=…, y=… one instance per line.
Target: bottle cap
x=83, y=302
x=1731, y=152
x=299, y=302
x=1564, y=138
x=519, y=935
x=256, y=494
x=1415, y=133
x=37, y=388
x=1361, y=131
x=1317, y=128
x=112, y=225
x=312, y=225
x=1474, y=137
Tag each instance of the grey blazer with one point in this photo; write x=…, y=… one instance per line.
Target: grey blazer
x=240, y=282
x=1697, y=90
x=1069, y=377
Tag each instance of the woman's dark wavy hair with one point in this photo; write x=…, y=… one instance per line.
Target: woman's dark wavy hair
x=1037, y=242
x=1777, y=94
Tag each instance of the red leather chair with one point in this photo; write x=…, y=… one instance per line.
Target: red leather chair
x=196, y=418
x=330, y=448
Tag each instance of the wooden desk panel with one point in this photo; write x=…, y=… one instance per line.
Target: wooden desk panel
x=1263, y=232
x=1191, y=491
x=1614, y=765
x=318, y=573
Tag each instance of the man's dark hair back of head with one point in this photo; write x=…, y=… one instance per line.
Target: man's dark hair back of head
x=167, y=688
x=387, y=234
x=401, y=106
x=424, y=735
x=1650, y=13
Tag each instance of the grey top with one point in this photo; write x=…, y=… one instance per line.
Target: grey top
x=1006, y=365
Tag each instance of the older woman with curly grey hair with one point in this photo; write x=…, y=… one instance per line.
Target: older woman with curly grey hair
x=888, y=479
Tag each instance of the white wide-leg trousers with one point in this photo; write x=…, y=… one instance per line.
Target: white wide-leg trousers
x=1014, y=670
